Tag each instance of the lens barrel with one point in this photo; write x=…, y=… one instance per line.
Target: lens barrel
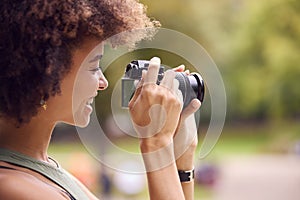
x=191, y=86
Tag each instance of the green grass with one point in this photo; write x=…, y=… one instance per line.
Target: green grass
x=235, y=140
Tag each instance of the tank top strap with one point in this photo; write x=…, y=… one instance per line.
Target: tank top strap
x=56, y=174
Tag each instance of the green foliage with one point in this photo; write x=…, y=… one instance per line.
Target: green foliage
x=256, y=45
x=265, y=61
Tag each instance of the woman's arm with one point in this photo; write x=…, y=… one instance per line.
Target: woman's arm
x=185, y=145
x=186, y=163
x=162, y=175
x=186, y=141
x=155, y=112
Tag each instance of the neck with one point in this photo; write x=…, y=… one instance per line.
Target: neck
x=31, y=139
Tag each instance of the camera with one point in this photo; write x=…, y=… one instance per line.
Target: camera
x=191, y=86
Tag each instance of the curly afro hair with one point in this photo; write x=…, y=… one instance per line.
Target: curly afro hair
x=37, y=38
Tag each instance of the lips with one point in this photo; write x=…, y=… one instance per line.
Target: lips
x=90, y=101
x=88, y=106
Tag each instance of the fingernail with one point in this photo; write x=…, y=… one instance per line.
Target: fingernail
x=155, y=60
x=181, y=66
x=196, y=103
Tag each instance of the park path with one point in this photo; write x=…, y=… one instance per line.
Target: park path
x=262, y=177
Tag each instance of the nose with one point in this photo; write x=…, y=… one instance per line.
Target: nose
x=103, y=83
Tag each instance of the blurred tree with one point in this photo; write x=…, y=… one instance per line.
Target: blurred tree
x=264, y=68
x=255, y=44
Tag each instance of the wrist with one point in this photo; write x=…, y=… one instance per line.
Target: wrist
x=185, y=166
x=154, y=143
x=159, y=159
x=185, y=162
x=185, y=158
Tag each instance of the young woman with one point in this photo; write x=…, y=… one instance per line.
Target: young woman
x=48, y=75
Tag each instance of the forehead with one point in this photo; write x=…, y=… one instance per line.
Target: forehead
x=95, y=54
x=89, y=53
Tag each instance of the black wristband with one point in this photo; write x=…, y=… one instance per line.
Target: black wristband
x=186, y=176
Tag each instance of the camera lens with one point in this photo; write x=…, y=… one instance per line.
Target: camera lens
x=191, y=86
x=197, y=84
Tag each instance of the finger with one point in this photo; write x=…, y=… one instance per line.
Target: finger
x=191, y=108
x=177, y=92
x=138, y=89
x=180, y=68
x=152, y=73
x=168, y=79
x=141, y=82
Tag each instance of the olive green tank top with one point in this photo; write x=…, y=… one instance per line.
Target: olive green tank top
x=55, y=174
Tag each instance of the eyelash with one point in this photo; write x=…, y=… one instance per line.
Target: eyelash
x=95, y=70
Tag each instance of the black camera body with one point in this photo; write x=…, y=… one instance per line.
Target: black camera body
x=191, y=86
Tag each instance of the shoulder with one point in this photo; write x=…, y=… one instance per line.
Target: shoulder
x=90, y=195
x=18, y=185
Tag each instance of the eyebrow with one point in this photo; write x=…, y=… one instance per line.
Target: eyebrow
x=96, y=58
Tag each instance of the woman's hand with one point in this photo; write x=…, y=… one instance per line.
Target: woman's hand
x=155, y=109
x=186, y=140
x=155, y=112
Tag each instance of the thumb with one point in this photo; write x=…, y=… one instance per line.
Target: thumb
x=179, y=68
x=193, y=106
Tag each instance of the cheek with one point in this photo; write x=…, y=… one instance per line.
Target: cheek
x=85, y=87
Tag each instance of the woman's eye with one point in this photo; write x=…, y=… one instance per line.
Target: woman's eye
x=95, y=69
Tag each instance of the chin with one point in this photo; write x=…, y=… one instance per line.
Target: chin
x=81, y=123
x=81, y=119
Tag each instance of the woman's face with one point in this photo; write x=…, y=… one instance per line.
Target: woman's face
x=82, y=84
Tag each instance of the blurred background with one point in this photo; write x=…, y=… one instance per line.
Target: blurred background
x=256, y=46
